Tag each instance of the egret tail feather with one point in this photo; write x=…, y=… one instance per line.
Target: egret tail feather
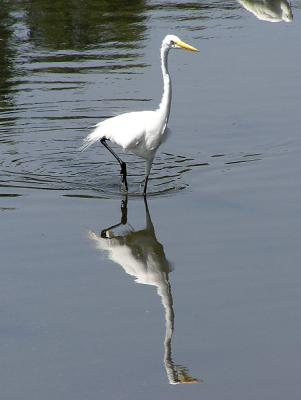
x=90, y=139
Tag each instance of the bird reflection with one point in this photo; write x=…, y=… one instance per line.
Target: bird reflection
x=269, y=10
x=141, y=255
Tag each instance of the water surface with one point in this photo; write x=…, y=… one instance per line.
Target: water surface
x=108, y=297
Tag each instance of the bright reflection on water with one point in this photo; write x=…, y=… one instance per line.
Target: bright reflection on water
x=269, y=10
x=141, y=255
x=224, y=192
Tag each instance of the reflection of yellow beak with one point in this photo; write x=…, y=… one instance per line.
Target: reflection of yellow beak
x=185, y=46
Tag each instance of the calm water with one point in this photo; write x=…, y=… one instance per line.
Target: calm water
x=104, y=297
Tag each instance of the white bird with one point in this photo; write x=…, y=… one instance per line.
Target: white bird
x=142, y=256
x=140, y=132
x=269, y=10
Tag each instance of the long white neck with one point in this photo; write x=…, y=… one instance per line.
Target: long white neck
x=164, y=107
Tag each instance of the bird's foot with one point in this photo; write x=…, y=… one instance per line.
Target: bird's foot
x=104, y=234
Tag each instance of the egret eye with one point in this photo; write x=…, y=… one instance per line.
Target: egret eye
x=140, y=132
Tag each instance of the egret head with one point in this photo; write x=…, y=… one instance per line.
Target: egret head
x=173, y=42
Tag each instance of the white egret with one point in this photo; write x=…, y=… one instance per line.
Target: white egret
x=140, y=132
x=269, y=10
x=142, y=256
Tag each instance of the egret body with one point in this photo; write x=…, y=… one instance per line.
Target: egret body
x=269, y=10
x=140, y=132
x=142, y=256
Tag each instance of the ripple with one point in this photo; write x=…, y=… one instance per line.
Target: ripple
x=59, y=171
x=10, y=195
x=61, y=84
x=95, y=172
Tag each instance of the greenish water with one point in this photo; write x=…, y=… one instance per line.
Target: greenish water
x=201, y=283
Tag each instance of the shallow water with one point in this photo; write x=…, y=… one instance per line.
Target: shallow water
x=202, y=283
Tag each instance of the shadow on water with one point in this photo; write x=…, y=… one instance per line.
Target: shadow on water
x=78, y=24
x=142, y=256
x=46, y=46
x=7, y=71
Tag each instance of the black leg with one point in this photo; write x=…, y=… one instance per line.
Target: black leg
x=124, y=210
x=123, y=220
x=121, y=163
x=124, y=174
x=145, y=186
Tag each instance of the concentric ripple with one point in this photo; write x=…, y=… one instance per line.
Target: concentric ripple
x=95, y=171
x=59, y=79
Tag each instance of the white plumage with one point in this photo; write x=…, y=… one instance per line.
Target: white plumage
x=140, y=132
x=142, y=256
x=269, y=10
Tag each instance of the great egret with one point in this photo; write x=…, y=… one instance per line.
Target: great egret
x=269, y=10
x=142, y=256
x=140, y=132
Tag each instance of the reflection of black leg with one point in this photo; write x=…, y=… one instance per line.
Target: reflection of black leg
x=124, y=211
x=146, y=207
x=123, y=173
x=148, y=220
x=123, y=221
x=121, y=163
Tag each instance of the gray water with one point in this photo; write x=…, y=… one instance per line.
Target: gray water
x=201, y=284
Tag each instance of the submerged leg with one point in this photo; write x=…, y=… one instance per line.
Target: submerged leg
x=147, y=172
x=124, y=174
x=145, y=185
x=121, y=163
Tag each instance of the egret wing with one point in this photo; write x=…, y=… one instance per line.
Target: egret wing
x=126, y=130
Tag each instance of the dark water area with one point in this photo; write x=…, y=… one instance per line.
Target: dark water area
x=108, y=296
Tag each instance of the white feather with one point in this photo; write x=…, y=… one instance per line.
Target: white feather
x=141, y=132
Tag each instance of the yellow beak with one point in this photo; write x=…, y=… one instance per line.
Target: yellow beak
x=185, y=46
